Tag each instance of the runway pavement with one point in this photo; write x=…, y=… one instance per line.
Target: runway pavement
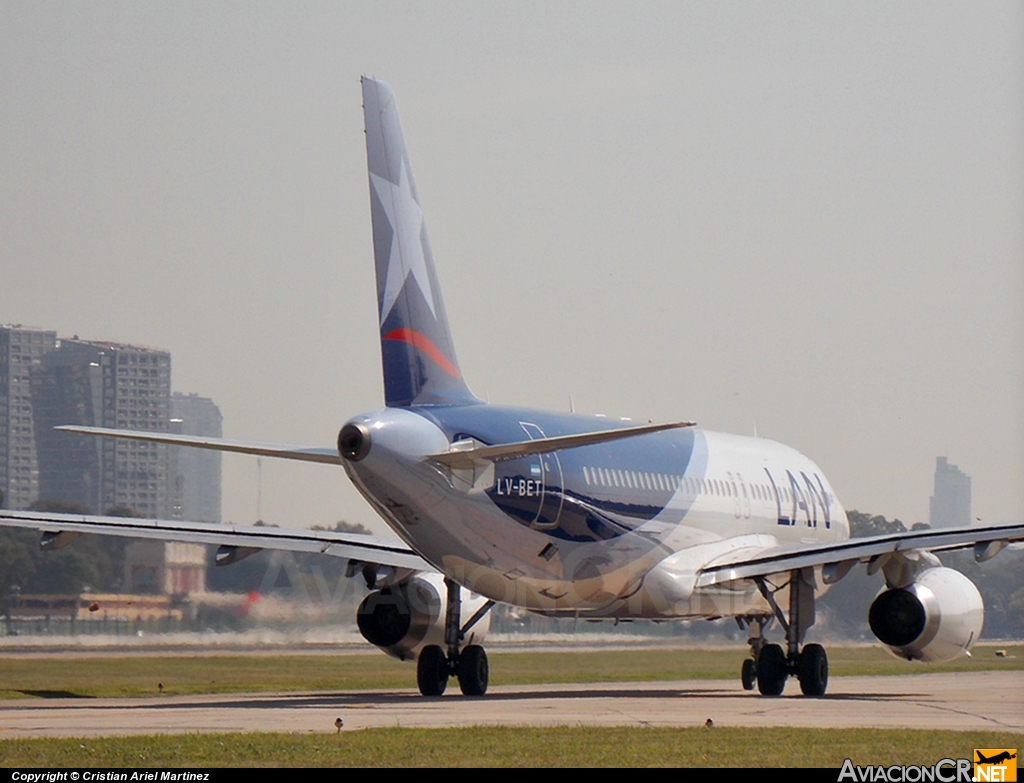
x=978, y=700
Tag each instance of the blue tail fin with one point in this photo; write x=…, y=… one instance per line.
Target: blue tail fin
x=418, y=354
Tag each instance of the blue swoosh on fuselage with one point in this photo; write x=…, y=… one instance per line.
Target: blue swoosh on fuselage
x=590, y=493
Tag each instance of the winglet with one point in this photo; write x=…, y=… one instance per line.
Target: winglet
x=417, y=350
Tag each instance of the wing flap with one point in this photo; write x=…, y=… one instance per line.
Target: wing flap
x=367, y=549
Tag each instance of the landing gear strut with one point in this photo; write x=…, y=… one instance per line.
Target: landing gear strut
x=748, y=674
x=469, y=664
x=770, y=666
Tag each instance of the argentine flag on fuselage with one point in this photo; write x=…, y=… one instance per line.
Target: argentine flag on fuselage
x=417, y=351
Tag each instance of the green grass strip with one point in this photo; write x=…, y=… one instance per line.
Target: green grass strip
x=514, y=747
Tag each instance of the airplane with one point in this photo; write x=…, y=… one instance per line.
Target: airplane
x=566, y=514
x=996, y=759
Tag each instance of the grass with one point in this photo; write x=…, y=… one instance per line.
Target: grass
x=139, y=675
x=512, y=747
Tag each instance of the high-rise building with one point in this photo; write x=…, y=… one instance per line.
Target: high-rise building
x=104, y=384
x=197, y=488
x=20, y=348
x=951, y=503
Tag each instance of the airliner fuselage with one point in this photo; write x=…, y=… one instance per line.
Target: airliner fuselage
x=578, y=530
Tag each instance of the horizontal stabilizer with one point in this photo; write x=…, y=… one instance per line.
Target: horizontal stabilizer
x=465, y=454
x=327, y=456
x=351, y=546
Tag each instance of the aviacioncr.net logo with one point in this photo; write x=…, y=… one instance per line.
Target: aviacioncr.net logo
x=944, y=771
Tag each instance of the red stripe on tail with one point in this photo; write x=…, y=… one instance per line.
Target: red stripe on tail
x=421, y=341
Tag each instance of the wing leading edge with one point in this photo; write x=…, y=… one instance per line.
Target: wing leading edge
x=367, y=549
x=842, y=555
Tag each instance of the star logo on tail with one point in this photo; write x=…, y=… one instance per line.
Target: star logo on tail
x=407, y=256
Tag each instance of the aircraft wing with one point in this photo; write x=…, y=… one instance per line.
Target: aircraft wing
x=350, y=546
x=328, y=456
x=839, y=556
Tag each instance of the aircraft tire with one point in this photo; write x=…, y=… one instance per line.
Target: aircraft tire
x=432, y=671
x=473, y=670
x=771, y=670
x=812, y=670
x=748, y=674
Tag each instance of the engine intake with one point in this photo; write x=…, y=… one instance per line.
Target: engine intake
x=404, y=618
x=399, y=618
x=936, y=618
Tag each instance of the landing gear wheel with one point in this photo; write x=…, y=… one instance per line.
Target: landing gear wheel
x=748, y=674
x=812, y=670
x=473, y=671
x=432, y=671
x=771, y=670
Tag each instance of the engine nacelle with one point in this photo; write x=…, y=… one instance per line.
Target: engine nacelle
x=402, y=619
x=935, y=618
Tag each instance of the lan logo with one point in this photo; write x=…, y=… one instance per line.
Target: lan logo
x=998, y=765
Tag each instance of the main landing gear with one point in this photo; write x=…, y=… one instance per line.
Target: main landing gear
x=436, y=665
x=769, y=666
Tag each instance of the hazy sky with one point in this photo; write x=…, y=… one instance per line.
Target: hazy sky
x=804, y=217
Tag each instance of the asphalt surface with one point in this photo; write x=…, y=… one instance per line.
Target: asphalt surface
x=978, y=700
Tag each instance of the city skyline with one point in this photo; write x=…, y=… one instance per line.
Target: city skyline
x=46, y=381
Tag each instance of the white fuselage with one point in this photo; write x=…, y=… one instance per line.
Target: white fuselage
x=731, y=493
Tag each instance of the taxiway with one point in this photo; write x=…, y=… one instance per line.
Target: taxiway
x=988, y=700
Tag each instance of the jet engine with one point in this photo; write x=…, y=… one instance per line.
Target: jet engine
x=404, y=618
x=935, y=618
